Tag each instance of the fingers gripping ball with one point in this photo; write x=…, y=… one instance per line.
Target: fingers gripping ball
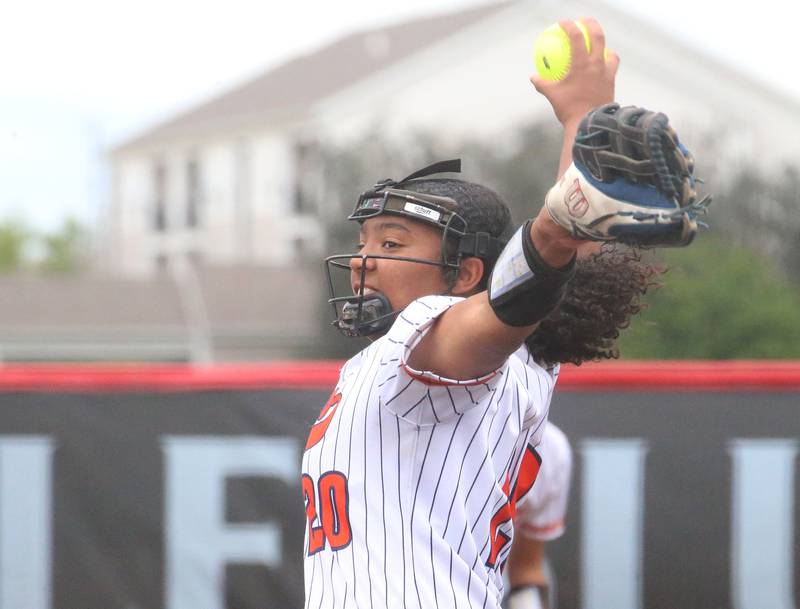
x=552, y=51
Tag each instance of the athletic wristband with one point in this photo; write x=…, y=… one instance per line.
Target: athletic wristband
x=523, y=288
x=528, y=597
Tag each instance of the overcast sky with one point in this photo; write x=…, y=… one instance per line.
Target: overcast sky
x=77, y=76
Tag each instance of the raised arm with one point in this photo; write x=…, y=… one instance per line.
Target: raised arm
x=589, y=83
x=469, y=339
x=631, y=181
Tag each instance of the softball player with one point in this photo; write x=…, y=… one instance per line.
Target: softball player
x=540, y=518
x=414, y=469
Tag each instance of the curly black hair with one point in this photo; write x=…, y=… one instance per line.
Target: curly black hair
x=601, y=299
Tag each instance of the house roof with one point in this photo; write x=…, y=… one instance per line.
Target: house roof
x=35, y=301
x=248, y=294
x=286, y=91
x=284, y=299
x=247, y=308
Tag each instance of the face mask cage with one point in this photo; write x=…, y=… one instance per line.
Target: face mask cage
x=361, y=314
x=364, y=315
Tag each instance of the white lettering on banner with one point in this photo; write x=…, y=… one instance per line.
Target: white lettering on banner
x=762, y=523
x=25, y=522
x=612, y=505
x=199, y=542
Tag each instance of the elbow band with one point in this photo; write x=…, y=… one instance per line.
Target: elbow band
x=523, y=288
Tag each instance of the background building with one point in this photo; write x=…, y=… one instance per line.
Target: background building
x=238, y=178
x=218, y=219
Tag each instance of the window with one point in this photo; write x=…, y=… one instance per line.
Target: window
x=161, y=262
x=307, y=175
x=193, y=193
x=160, y=196
x=194, y=258
x=300, y=248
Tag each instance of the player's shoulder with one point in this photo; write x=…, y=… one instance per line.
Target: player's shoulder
x=414, y=321
x=420, y=313
x=555, y=443
x=409, y=326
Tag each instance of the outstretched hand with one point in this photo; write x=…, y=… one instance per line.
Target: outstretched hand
x=590, y=81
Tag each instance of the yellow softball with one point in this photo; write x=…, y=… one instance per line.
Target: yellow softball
x=552, y=52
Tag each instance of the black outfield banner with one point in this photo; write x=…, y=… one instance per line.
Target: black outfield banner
x=178, y=488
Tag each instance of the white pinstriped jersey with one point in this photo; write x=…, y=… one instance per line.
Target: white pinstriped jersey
x=410, y=481
x=541, y=514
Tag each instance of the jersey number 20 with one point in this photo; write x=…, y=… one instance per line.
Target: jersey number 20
x=329, y=507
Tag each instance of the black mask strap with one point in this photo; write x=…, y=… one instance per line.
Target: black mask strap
x=481, y=245
x=451, y=166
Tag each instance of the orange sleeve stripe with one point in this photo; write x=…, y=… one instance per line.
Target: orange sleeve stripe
x=441, y=382
x=543, y=533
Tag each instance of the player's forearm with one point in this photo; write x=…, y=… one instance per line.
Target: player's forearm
x=525, y=565
x=526, y=575
x=553, y=243
x=570, y=129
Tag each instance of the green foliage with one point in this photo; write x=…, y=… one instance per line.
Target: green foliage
x=718, y=301
x=14, y=239
x=65, y=250
x=761, y=214
x=62, y=252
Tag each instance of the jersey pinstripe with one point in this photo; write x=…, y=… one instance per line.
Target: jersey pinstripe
x=410, y=480
x=542, y=513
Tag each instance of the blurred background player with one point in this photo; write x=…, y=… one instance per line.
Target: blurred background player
x=540, y=518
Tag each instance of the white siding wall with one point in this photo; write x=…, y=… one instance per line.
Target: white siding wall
x=134, y=210
x=218, y=171
x=272, y=186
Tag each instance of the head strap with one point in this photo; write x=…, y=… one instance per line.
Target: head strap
x=481, y=245
x=388, y=196
x=450, y=166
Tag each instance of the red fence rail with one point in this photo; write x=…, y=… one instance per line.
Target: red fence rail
x=684, y=375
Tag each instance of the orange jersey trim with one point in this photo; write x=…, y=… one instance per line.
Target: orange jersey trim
x=444, y=382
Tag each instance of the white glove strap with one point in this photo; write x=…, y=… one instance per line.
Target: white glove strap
x=587, y=212
x=529, y=597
